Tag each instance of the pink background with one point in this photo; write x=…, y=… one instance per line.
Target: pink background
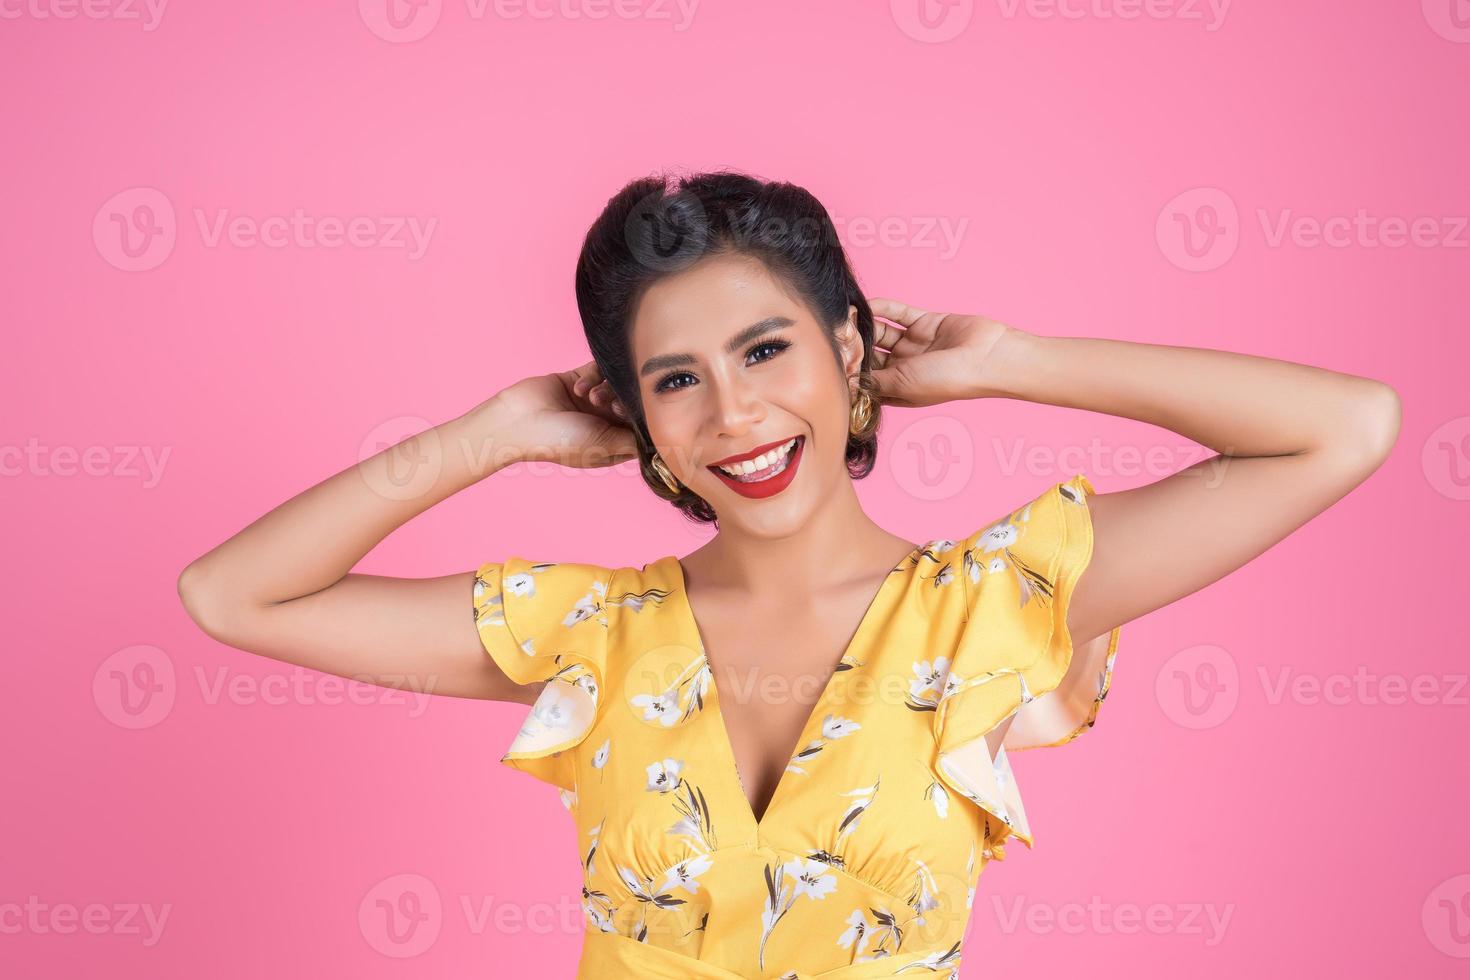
x=270, y=817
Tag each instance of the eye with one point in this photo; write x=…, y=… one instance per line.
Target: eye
x=777, y=346
x=666, y=383
x=773, y=347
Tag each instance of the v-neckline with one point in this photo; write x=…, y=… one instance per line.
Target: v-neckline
x=691, y=623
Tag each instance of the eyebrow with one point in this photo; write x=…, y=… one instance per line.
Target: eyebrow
x=731, y=346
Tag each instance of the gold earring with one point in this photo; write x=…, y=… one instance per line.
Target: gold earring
x=664, y=474
x=861, y=413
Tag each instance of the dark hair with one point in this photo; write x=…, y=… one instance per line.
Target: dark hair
x=653, y=228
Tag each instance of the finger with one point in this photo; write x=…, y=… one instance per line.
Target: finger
x=892, y=309
x=886, y=335
x=606, y=402
x=920, y=327
x=890, y=342
x=588, y=375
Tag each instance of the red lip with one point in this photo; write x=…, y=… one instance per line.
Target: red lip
x=768, y=487
x=732, y=460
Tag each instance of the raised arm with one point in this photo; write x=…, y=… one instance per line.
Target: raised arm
x=1291, y=440
x=283, y=586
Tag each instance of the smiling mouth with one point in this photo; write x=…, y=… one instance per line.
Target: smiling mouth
x=769, y=464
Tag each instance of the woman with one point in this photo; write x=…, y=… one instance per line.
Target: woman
x=836, y=822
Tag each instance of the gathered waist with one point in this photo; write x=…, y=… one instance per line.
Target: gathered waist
x=611, y=955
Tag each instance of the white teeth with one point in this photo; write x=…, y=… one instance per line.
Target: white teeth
x=763, y=461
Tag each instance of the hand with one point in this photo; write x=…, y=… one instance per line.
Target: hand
x=935, y=358
x=570, y=417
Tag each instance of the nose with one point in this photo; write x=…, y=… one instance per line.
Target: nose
x=737, y=407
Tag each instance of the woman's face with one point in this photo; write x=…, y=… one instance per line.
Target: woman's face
x=727, y=362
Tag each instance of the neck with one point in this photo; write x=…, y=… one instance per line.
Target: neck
x=838, y=545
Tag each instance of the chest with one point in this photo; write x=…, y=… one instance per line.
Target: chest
x=771, y=668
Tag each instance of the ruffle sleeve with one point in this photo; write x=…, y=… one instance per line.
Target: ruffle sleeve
x=1015, y=656
x=547, y=621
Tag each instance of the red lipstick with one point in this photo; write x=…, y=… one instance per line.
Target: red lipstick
x=757, y=487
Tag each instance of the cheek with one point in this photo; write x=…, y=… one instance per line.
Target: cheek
x=809, y=391
x=672, y=424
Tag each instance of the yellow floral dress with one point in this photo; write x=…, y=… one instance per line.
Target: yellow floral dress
x=866, y=860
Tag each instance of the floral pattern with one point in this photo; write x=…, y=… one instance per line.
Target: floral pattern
x=807, y=879
x=833, y=728
x=866, y=861
x=681, y=699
